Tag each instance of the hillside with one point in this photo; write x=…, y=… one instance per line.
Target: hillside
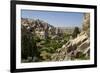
x=39, y=37
x=41, y=41
x=77, y=48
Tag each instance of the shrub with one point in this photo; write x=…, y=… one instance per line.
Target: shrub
x=75, y=32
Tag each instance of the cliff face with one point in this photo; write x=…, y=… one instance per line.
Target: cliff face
x=77, y=48
x=40, y=28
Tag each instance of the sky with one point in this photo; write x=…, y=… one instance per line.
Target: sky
x=57, y=19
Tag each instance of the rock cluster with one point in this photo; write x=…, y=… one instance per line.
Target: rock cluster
x=40, y=28
x=77, y=48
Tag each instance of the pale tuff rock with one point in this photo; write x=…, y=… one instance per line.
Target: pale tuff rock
x=86, y=22
x=76, y=48
x=40, y=28
x=79, y=39
x=71, y=49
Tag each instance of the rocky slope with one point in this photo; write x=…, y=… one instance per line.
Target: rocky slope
x=40, y=28
x=77, y=48
x=34, y=34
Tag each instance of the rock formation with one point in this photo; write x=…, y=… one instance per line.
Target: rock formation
x=38, y=27
x=77, y=48
x=34, y=34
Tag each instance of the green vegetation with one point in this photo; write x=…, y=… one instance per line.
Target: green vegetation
x=42, y=49
x=76, y=31
x=28, y=47
x=49, y=46
x=81, y=56
x=41, y=41
x=35, y=49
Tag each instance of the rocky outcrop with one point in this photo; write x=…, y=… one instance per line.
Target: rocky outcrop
x=40, y=28
x=78, y=48
x=86, y=22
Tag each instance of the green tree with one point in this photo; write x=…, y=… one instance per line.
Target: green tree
x=28, y=47
x=75, y=32
x=24, y=47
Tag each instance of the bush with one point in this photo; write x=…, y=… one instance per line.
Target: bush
x=75, y=32
x=28, y=47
